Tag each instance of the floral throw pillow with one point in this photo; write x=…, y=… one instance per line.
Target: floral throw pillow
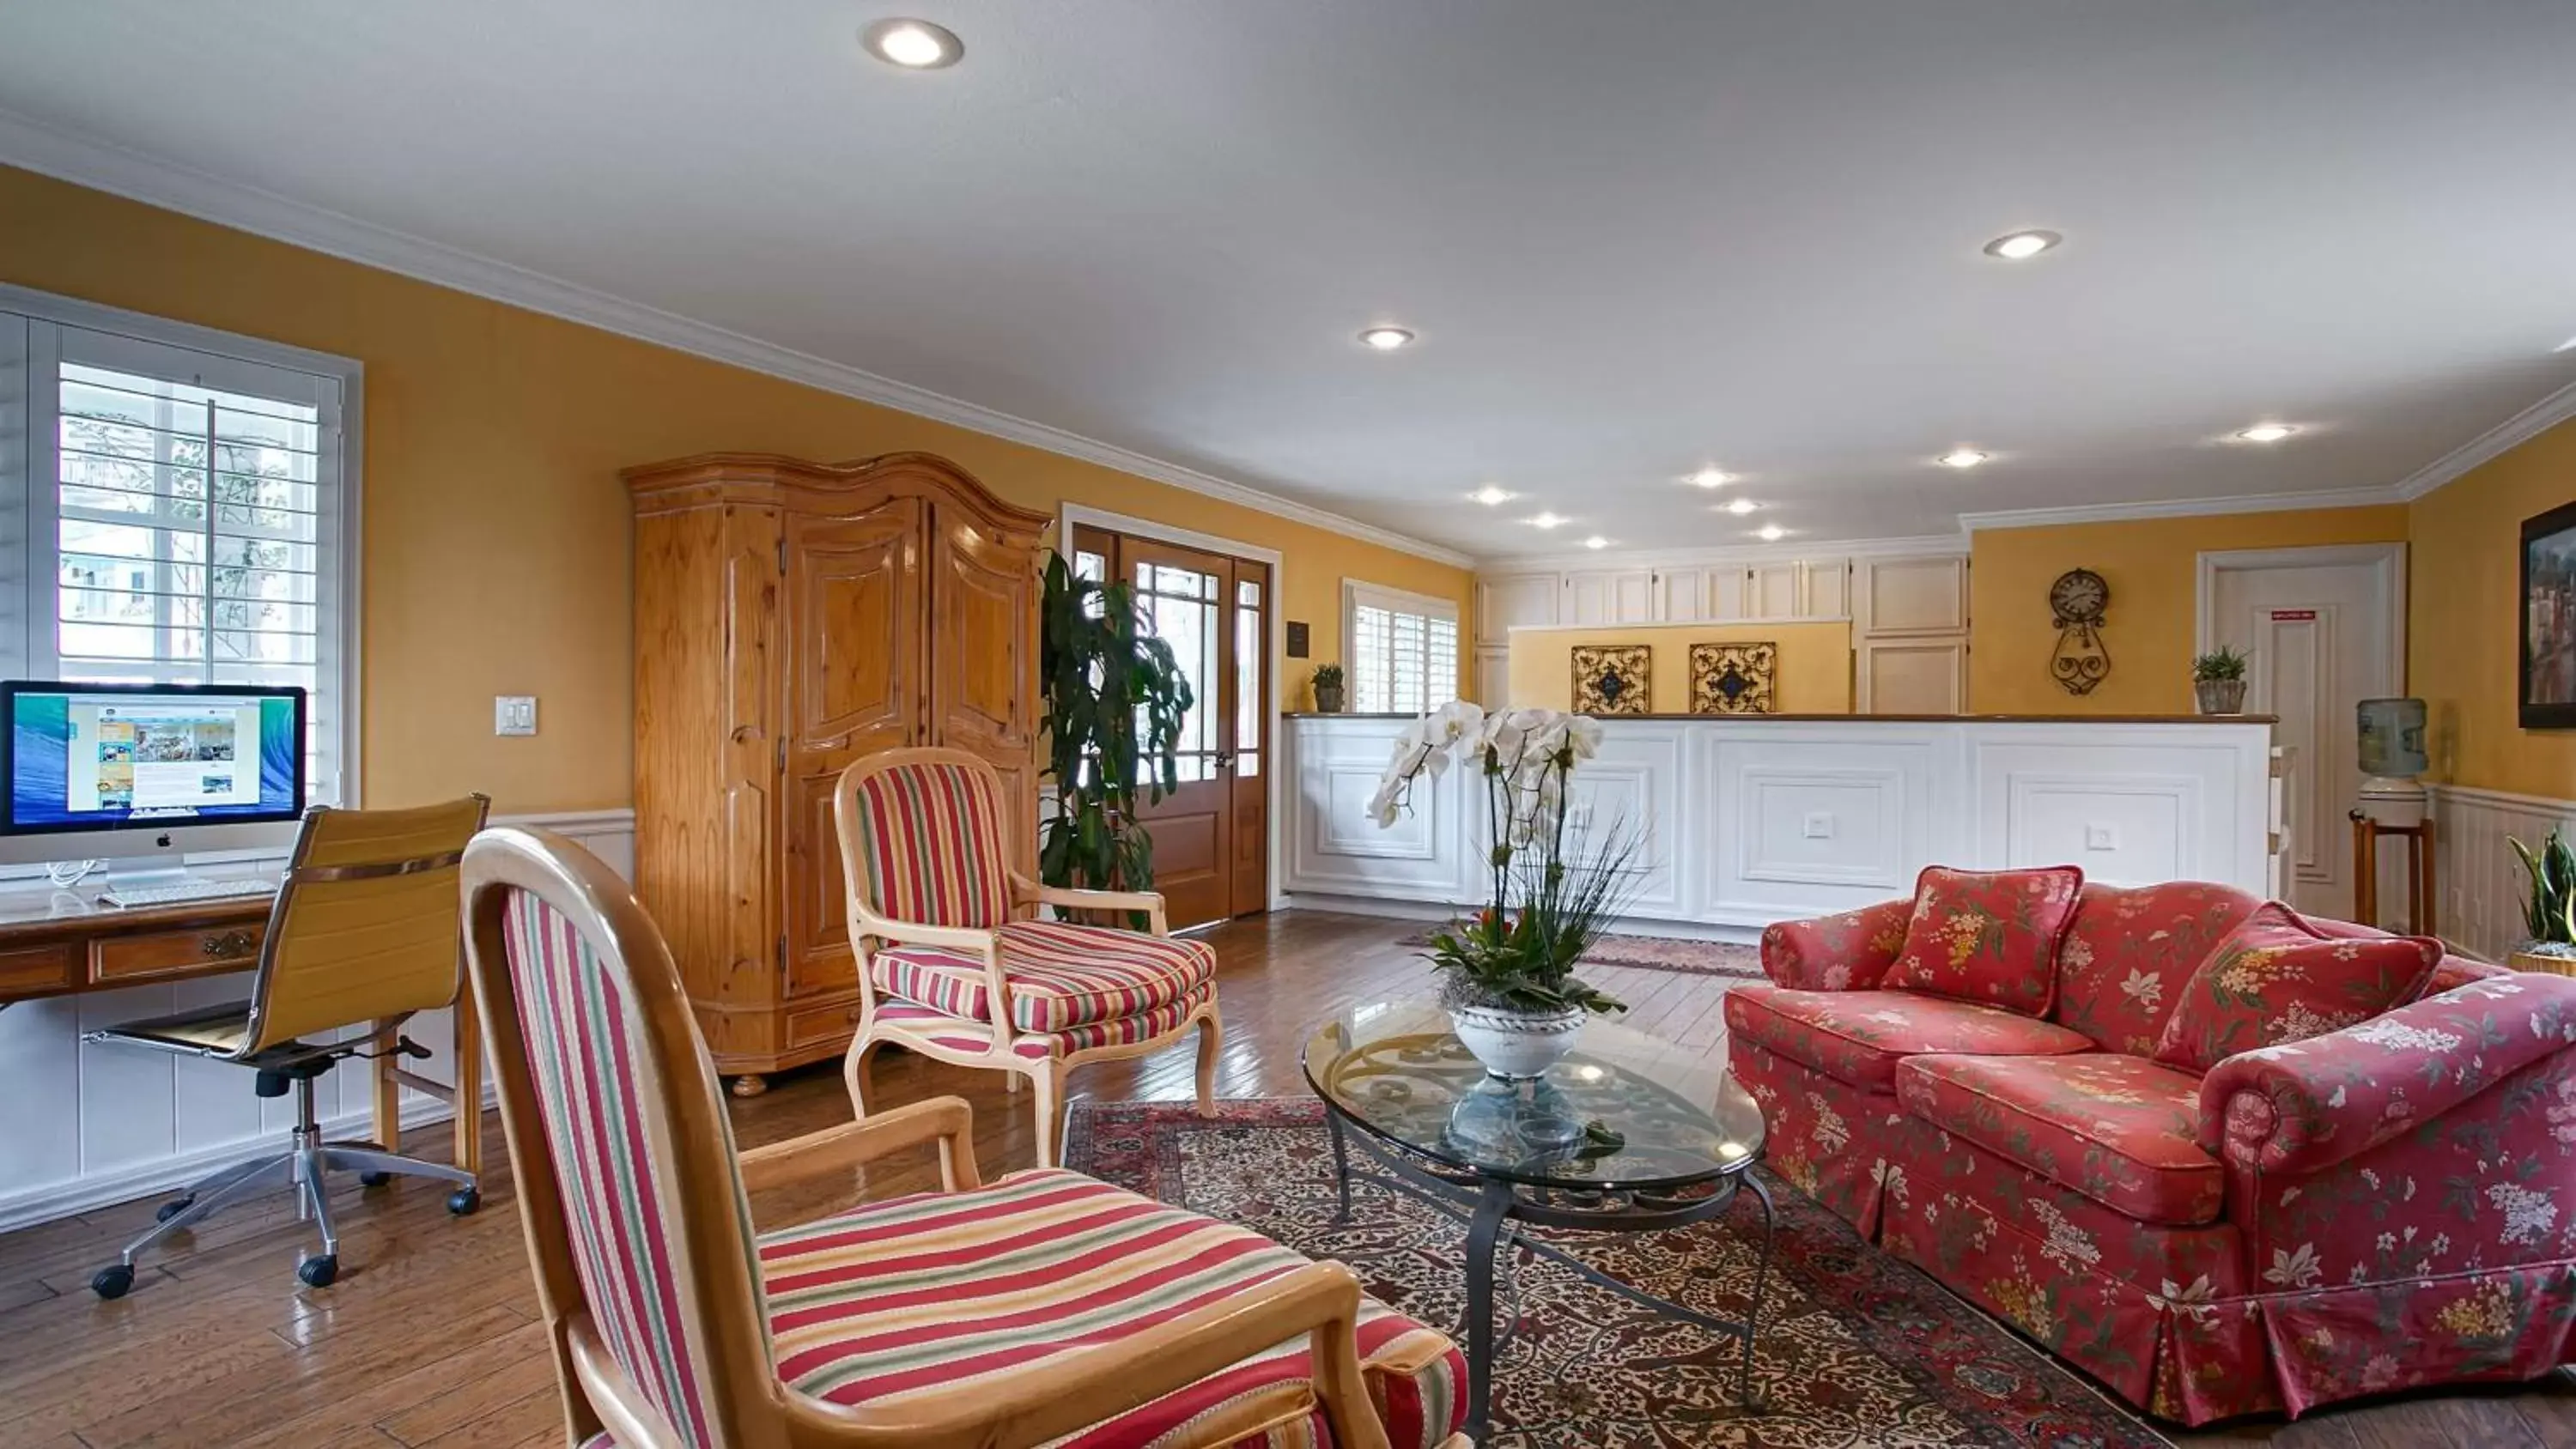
x=2277, y=978
x=1987, y=936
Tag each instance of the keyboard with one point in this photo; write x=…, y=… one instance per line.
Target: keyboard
x=179, y=892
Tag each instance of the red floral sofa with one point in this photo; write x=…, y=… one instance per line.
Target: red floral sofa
x=2378, y=1207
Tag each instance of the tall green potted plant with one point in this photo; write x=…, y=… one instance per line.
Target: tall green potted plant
x=2550, y=914
x=1115, y=699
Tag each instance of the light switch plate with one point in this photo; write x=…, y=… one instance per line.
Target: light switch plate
x=2101, y=837
x=514, y=714
x=1818, y=826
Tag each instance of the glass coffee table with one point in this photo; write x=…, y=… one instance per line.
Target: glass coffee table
x=1626, y=1135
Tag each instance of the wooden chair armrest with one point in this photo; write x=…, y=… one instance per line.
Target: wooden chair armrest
x=1025, y=890
x=1081, y=1389
x=974, y=940
x=948, y=1121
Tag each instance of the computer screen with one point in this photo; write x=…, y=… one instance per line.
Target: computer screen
x=148, y=757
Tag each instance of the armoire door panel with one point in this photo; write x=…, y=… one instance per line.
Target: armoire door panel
x=749, y=750
x=984, y=661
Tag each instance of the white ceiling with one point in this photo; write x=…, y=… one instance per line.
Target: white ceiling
x=1634, y=237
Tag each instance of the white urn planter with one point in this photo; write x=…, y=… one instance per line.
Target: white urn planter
x=1517, y=1045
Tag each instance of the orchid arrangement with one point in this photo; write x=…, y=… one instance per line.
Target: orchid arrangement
x=1556, y=885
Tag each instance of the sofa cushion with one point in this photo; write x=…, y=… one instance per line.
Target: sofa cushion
x=2277, y=978
x=2128, y=952
x=1987, y=936
x=2116, y=1128
x=1860, y=1036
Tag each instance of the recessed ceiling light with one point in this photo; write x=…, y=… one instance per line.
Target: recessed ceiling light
x=1770, y=533
x=1962, y=458
x=1596, y=541
x=2021, y=246
x=1387, y=339
x=1546, y=520
x=2266, y=433
x=1490, y=496
x=913, y=44
x=1742, y=506
x=1712, y=478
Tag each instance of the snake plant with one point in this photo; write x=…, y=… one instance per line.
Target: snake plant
x=2551, y=913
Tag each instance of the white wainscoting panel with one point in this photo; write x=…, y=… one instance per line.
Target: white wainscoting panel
x=82, y=1125
x=2131, y=804
x=2479, y=887
x=1335, y=849
x=1809, y=823
x=1635, y=786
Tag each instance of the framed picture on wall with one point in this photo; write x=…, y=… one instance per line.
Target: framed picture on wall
x=2549, y=620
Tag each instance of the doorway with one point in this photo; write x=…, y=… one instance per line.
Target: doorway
x=1212, y=833
x=2326, y=629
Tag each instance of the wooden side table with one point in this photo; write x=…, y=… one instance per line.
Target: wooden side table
x=2366, y=834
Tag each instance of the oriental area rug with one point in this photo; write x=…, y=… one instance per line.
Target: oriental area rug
x=1855, y=1350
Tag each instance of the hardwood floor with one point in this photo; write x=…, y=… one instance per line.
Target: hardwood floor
x=429, y=1337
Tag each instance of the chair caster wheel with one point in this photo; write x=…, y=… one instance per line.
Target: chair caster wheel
x=464, y=1200
x=318, y=1271
x=174, y=1207
x=374, y=1179
x=112, y=1282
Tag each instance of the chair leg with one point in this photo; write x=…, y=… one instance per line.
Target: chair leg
x=1211, y=1042
x=317, y=1197
x=369, y=1159
x=854, y=1072
x=1049, y=1080
x=265, y=1175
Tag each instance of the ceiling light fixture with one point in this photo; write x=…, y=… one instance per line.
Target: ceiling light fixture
x=2021, y=246
x=1771, y=533
x=1546, y=520
x=1742, y=506
x=1491, y=496
x=1712, y=478
x=2265, y=433
x=1387, y=339
x=913, y=44
x=1596, y=541
x=1962, y=458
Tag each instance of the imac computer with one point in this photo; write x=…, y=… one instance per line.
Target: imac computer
x=139, y=774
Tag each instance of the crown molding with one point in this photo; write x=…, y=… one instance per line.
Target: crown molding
x=1733, y=553
x=2521, y=428
x=2177, y=508
x=137, y=176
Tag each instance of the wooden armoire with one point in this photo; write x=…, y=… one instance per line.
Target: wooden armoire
x=790, y=618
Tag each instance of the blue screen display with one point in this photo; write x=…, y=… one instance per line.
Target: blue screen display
x=92, y=760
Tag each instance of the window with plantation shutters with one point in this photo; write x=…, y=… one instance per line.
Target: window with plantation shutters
x=1402, y=654
x=179, y=507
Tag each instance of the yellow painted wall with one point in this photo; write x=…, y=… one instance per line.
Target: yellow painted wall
x=1814, y=674
x=2463, y=628
x=2152, y=566
x=497, y=554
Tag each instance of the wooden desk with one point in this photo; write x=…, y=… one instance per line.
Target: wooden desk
x=62, y=942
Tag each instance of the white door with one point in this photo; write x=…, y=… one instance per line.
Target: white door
x=2321, y=625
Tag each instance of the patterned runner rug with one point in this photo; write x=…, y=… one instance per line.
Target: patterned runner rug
x=1662, y=953
x=1855, y=1350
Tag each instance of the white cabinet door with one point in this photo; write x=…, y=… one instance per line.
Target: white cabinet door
x=1772, y=590
x=1828, y=588
x=1504, y=601
x=1911, y=675
x=1916, y=595
x=1609, y=596
x=1681, y=596
x=1727, y=590
x=1494, y=676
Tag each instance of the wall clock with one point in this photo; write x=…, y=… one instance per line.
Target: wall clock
x=2079, y=599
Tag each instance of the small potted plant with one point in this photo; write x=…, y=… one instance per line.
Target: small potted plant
x=2550, y=914
x=1554, y=887
x=2218, y=679
x=1328, y=689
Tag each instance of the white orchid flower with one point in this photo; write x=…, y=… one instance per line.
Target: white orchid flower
x=1585, y=734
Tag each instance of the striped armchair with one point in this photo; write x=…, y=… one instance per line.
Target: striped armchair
x=1045, y=1309
x=951, y=965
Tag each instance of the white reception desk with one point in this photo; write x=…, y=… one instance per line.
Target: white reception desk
x=1750, y=821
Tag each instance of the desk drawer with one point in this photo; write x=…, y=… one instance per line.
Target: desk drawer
x=37, y=969
x=175, y=953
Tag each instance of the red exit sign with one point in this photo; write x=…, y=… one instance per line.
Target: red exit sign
x=2294, y=616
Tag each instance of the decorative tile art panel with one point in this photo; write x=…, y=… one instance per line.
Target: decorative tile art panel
x=1613, y=678
x=1733, y=678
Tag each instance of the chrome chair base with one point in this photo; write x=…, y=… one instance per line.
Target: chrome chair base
x=303, y=1167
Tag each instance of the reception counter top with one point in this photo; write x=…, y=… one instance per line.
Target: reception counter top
x=1750, y=820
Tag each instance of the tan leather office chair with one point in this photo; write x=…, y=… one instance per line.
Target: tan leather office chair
x=367, y=929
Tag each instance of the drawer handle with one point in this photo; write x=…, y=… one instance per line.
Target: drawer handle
x=225, y=945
